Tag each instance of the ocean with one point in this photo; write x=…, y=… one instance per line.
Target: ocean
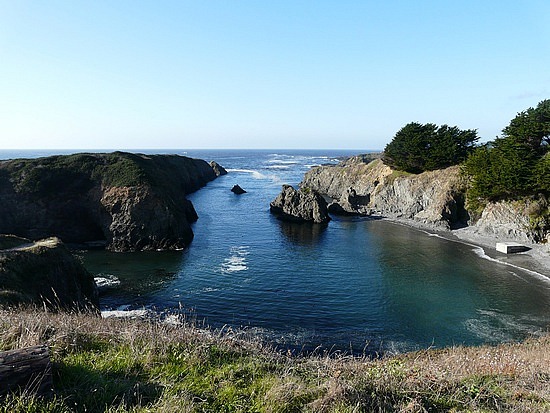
x=357, y=285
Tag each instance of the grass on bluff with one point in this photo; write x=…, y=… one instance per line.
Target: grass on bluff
x=113, y=365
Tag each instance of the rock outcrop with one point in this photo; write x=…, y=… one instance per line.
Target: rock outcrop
x=350, y=204
x=217, y=168
x=303, y=205
x=238, y=190
x=433, y=198
x=527, y=220
x=126, y=202
x=44, y=273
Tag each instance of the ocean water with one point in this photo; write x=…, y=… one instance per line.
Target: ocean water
x=357, y=284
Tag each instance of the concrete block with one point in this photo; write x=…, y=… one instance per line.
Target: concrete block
x=510, y=247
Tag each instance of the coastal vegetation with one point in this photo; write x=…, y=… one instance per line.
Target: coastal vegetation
x=425, y=147
x=514, y=167
x=517, y=163
x=123, y=365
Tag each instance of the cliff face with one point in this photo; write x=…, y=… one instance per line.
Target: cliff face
x=44, y=273
x=526, y=221
x=127, y=202
x=433, y=198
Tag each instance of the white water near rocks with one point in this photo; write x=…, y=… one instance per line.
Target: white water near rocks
x=356, y=284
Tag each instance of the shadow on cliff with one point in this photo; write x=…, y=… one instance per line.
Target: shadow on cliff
x=302, y=233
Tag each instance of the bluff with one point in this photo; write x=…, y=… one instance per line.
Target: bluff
x=44, y=273
x=124, y=201
x=432, y=198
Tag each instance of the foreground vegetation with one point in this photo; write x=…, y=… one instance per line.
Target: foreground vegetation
x=137, y=366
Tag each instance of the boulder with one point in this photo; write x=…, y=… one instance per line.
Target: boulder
x=45, y=274
x=304, y=205
x=238, y=190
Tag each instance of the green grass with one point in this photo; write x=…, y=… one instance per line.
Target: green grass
x=137, y=366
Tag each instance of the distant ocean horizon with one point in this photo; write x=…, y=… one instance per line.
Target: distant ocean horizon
x=6, y=154
x=357, y=284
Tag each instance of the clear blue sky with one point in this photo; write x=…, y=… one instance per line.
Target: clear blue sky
x=263, y=74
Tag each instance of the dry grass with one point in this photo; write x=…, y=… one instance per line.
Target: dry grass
x=137, y=366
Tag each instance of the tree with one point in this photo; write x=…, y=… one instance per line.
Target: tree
x=532, y=127
x=516, y=164
x=416, y=147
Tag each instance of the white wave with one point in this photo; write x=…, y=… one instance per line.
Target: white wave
x=255, y=174
x=495, y=326
x=125, y=313
x=283, y=162
x=104, y=281
x=236, y=261
x=480, y=252
x=277, y=167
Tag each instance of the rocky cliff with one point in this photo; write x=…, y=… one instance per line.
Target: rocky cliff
x=432, y=198
x=127, y=202
x=44, y=274
x=303, y=205
x=526, y=220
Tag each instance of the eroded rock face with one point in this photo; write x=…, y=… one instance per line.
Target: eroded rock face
x=45, y=273
x=432, y=198
x=217, y=168
x=128, y=202
x=350, y=204
x=300, y=206
x=511, y=220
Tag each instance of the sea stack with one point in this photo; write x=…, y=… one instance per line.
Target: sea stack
x=304, y=205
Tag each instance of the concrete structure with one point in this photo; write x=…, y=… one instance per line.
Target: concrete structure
x=510, y=247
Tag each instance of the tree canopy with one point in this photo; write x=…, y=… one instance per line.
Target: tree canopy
x=417, y=147
x=516, y=164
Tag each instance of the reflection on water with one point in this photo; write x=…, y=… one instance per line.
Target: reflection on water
x=303, y=233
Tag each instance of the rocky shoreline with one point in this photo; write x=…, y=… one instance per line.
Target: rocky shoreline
x=535, y=261
x=118, y=201
x=433, y=201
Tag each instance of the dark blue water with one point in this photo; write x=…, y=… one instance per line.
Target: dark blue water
x=356, y=284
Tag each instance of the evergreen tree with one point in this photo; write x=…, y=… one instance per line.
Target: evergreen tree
x=416, y=147
x=517, y=163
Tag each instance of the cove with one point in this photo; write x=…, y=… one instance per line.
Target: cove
x=356, y=284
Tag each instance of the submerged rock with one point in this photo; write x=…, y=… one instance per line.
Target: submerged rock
x=128, y=202
x=304, y=205
x=238, y=190
x=45, y=273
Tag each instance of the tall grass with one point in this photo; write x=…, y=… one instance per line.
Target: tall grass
x=114, y=365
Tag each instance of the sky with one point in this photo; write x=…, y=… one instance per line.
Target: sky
x=342, y=74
